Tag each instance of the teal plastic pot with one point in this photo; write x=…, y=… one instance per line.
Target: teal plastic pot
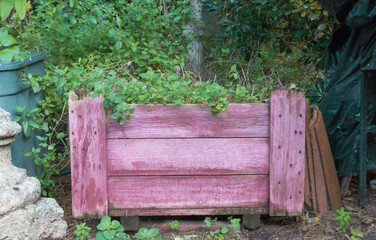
x=14, y=92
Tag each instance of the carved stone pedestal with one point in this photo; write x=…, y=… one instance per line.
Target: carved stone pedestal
x=23, y=214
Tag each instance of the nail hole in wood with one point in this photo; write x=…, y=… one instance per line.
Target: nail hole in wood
x=300, y=152
x=279, y=182
x=300, y=132
x=279, y=115
x=291, y=164
x=279, y=146
x=95, y=132
x=300, y=115
x=290, y=197
x=299, y=173
x=296, y=132
x=80, y=116
x=299, y=192
x=72, y=133
x=72, y=111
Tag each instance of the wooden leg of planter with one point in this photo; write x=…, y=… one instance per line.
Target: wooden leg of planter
x=130, y=223
x=345, y=183
x=251, y=221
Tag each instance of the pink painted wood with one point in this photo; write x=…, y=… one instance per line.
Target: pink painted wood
x=257, y=209
x=171, y=192
x=287, y=151
x=192, y=121
x=199, y=156
x=88, y=157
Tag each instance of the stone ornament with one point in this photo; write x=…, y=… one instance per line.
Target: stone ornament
x=23, y=213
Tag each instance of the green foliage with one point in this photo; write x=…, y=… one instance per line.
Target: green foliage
x=221, y=233
x=82, y=232
x=174, y=224
x=110, y=230
x=282, y=23
x=9, y=47
x=148, y=234
x=342, y=219
x=21, y=7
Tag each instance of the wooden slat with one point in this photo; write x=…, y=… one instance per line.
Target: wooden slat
x=311, y=169
x=307, y=188
x=321, y=194
x=171, y=192
x=287, y=151
x=88, y=157
x=188, y=211
x=194, y=156
x=331, y=179
x=192, y=121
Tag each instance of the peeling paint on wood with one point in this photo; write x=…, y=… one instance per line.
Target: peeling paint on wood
x=184, y=160
x=203, y=156
x=88, y=157
x=287, y=151
x=188, y=191
x=260, y=208
x=192, y=121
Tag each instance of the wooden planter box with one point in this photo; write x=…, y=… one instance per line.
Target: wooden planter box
x=186, y=160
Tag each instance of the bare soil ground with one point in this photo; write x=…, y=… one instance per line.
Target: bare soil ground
x=273, y=228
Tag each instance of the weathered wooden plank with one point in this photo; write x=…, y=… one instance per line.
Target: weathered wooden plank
x=264, y=209
x=331, y=179
x=321, y=194
x=287, y=151
x=194, y=156
x=311, y=169
x=88, y=157
x=307, y=188
x=191, y=121
x=171, y=192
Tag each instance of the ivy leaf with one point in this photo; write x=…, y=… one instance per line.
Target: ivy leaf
x=224, y=230
x=7, y=41
x=118, y=44
x=153, y=232
x=115, y=224
x=109, y=234
x=20, y=6
x=26, y=129
x=5, y=7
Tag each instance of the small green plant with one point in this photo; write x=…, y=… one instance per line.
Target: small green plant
x=148, y=234
x=174, y=224
x=82, y=231
x=223, y=231
x=342, y=219
x=110, y=230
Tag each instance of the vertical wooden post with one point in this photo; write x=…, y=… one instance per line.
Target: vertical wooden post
x=88, y=157
x=287, y=152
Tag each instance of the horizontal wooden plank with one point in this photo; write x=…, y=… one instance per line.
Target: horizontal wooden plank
x=262, y=209
x=192, y=120
x=193, y=156
x=170, y=192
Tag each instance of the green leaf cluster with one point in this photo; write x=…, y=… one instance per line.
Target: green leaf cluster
x=342, y=219
x=148, y=234
x=9, y=47
x=82, y=232
x=110, y=230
